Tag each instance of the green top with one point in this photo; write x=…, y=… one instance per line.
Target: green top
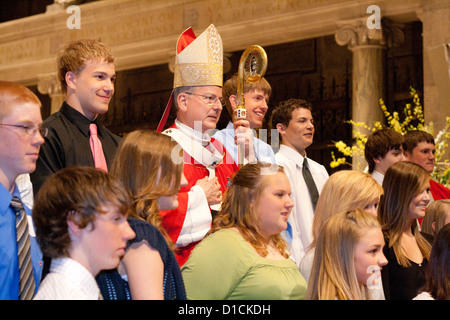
x=225, y=266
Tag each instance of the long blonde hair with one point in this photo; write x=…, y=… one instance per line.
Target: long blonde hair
x=240, y=207
x=344, y=190
x=143, y=163
x=435, y=213
x=403, y=181
x=333, y=273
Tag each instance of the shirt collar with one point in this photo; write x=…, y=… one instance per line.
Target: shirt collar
x=5, y=198
x=78, y=274
x=201, y=137
x=378, y=176
x=79, y=120
x=230, y=126
x=292, y=155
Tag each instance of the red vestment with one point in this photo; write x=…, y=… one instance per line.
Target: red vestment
x=189, y=223
x=438, y=191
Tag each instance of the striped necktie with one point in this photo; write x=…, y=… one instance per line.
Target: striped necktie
x=26, y=276
x=310, y=183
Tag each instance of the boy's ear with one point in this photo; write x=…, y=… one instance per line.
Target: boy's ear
x=73, y=223
x=233, y=101
x=71, y=79
x=281, y=128
x=377, y=160
x=282, y=131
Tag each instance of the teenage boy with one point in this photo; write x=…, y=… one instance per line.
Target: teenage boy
x=76, y=136
x=256, y=97
x=383, y=148
x=21, y=137
x=419, y=147
x=294, y=121
x=80, y=215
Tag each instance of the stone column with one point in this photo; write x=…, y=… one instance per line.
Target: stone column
x=435, y=18
x=368, y=69
x=49, y=84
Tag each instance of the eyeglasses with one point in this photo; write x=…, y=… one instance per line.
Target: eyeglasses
x=209, y=100
x=30, y=130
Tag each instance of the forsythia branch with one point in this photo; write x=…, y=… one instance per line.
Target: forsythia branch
x=413, y=120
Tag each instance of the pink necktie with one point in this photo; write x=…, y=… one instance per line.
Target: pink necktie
x=97, y=150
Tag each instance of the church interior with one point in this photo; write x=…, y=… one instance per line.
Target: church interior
x=340, y=55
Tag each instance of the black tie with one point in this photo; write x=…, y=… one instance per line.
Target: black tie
x=26, y=277
x=310, y=183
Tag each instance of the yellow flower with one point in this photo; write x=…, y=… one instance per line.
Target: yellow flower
x=336, y=163
x=413, y=120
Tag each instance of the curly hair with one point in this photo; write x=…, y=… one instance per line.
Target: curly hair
x=283, y=111
x=240, y=206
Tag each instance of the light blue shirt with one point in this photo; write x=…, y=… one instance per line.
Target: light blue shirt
x=263, y=151
x=9, y=265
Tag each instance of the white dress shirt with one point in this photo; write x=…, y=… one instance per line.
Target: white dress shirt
x=25, y=186
x=379, y=177
x=68, y=280
x=302, y=214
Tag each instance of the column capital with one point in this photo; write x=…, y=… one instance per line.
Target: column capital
x=355, y=34
x=49, y=84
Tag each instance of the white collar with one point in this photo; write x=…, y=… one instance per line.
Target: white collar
x=292, y=155
x=198, y=136
x=77, y=274
x=378, y=176
x=190, y=142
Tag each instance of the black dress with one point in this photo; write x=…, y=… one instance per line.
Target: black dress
x=402, y=283
x=114, y=287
